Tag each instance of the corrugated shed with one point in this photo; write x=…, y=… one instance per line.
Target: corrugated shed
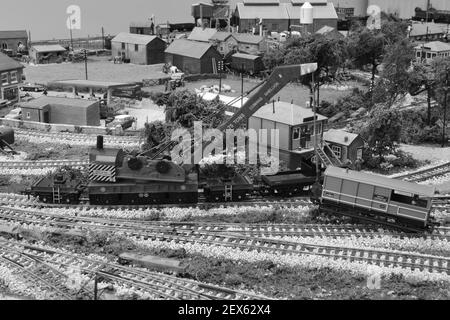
x=420, y=29
x=133, y=38
x=319, y=11
x=203, y=35
x=41, y=102
x=6, y=63
x=188, y=48
x=262, y=11
x=13, y=34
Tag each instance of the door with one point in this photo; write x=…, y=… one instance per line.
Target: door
x=46, y=117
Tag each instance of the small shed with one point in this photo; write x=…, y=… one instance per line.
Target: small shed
x=43, y=54
x=78, y=112
x=247, y=63
x=193, y=57
x=346, y=146
x=138, y=48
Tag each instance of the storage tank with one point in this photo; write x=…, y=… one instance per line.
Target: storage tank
x=6, y=135
x=306, y=13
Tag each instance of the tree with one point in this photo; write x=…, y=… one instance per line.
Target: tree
x=442, y=76
x=155, y=133
x=273, y=58
x=383, y=132
x=422, y=79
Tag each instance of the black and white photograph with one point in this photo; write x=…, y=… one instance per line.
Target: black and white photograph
x=259, y=153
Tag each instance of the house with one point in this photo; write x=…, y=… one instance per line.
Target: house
x=345, y=146
x=202, y=34
x=147, y=28
x=351, y=8
x=247, y=63
x=272, y=16
x=43, y=54
x=78, y=112
x=428, y=31
x=428, y=51
x=225, y=42
x=193, y=57
x=139, y=49
x=16, y=40
x=10, y=78
x=250, y=44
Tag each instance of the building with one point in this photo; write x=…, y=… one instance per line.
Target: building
x=10, y=78
x=345, y=146
x=405, y=9
x=428, y=51
x=250, y=44
x=146, y=28
x=16, y=40
x=78, y=112
x=295, y=124
x=202, y=34
x=43, y=54
x=247, y=63
x=429, y=31
x=255, y=16
x=225, y=42
x=193, y=57
x=139, y=49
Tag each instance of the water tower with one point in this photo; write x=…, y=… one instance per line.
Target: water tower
x=307, y=18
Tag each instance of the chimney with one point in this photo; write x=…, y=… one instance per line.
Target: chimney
x=100, y=142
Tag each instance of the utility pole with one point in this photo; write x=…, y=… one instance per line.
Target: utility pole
x=71, y=37
x=444, y=142
x=242, y=85
x=85, y=63
x=103, y=38
x=427, y=16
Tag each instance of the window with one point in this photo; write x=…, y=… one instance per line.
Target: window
x=408, y=198
x=13, y=76
x=296, y=134
x=318, y=128
x=123, y=46
x=28, y=115
x=359, y=154
x=136, y=47
x=4, y=78
x=337, y=151
x=418, y=54
x=428, y=55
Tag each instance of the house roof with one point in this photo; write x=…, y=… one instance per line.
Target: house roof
x=248, y=38
x=340, y=137
x=7, y=63
x=187, y=48
x=435, y=46
x=49, y=48
x=203, y=35
x=245, y=56
x=89, y=84
x=261, y=2
x=261, y=11
x=420, y=29
x=320, y=11
x=13, y=34
x=141, y=24
x=132, y=38
x=221, y=36
x=41, y=102
x=378, y=180
x=286, y=113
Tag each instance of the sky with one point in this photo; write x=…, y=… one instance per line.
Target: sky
x=46, y=19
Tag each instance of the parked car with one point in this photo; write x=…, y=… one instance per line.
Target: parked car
x=126, y=121
x=5, y=103
x=15, y=114
x=32, y=87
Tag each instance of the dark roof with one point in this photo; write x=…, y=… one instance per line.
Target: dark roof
x=41, y=102
x=89, y=84
x=132, y=38
x=7, y=63
x=13, y=34
x=248, y=38
x=187, y=48
x=378, y=180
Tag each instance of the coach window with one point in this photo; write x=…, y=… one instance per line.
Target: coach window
x=408, y=199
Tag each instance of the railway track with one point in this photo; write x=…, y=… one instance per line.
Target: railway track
x=159, y=285
x=426, y=174
x=244, y=242
x=42, y=164
x=76, y=138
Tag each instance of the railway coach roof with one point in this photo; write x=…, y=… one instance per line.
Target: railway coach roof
x=381, y=181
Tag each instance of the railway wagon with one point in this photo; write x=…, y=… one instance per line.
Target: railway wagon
x=236, y=189
x=359, y=194
x=290, y=183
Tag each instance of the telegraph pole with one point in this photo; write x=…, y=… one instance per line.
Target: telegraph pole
x=445, y=111
x=103, y=38
x=71, y=37
x=85, y=63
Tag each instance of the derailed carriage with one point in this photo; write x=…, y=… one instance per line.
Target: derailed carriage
x=378, y=199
